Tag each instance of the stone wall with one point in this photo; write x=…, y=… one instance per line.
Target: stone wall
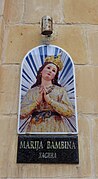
x=76, y=31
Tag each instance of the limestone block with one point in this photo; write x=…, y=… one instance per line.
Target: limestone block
x=48, y=178
x=9, y=89
x=20, y=39
x=7, y=147
x=2, y=3
x=13, y=11
x=72, y=39
x=81, y=11
x=35, y=10
x=95, y=142
x=86, y=87
x=93, y=45
x=1, y=35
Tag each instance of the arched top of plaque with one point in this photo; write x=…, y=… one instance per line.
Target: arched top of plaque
x=31, y=63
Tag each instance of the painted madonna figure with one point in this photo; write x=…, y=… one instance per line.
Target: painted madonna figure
x=46, y=103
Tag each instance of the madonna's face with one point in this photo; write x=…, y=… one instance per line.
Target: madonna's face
x=49, y=72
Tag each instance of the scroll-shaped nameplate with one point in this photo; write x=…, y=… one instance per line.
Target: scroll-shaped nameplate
x=47, y=103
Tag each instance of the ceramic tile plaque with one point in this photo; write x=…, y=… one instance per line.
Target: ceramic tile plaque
x=47, y=117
